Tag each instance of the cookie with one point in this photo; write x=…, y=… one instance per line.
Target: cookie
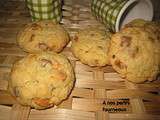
x=137, y=23
x=135, y=53
x=91, y=46
x=151, y=28
x=41, y=80
x=42, y=36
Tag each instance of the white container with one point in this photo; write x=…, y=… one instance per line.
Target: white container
x=116, y=13
x=134, y=9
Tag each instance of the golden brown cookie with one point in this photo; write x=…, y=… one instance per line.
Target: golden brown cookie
x=91, y=46
x=43, y=36
x=135, y=53
x=137, y=23
x=42, y=80
x=151, y=28
x=147, y=26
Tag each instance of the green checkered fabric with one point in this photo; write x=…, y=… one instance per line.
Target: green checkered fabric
x=107, y=11
x=45, y=9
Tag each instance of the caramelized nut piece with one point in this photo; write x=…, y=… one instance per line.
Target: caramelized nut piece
x=56, y=65
x=41, y=102
x=45, y=62
x=59, y=75
x=44, y=46
x=125, y=41
x=62, y=76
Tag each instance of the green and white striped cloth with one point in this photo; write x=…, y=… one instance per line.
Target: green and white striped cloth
x=45, y=9
x=107, y=11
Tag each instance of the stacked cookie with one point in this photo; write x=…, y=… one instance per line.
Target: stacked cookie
x=43, y=78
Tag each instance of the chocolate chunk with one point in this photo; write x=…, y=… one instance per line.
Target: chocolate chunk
x=86, y=51
x=100, y=47
x=92, y=34
x=125, y=41
x=113, y=56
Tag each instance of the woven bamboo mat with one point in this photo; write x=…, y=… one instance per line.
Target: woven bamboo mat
x=99, y=93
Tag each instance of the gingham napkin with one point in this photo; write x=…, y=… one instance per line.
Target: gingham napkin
x=45, y=9
x=107, y=11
